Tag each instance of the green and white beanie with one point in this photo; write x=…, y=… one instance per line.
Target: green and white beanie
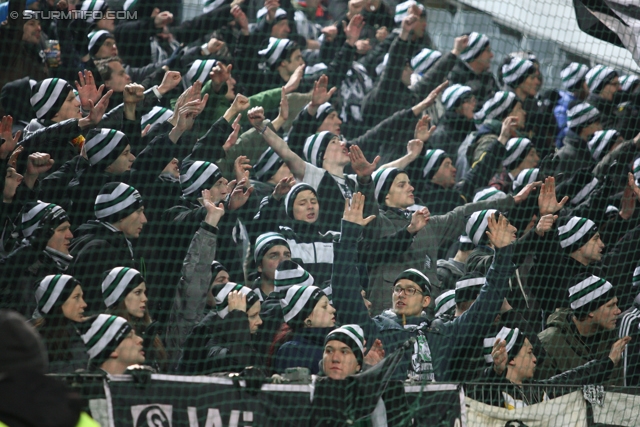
x=635, y=281
x=288, y=274
x=267, y=165
x=115, y=201
x=598, y=77
x=273, y=53
x=424, y=60
x=446, y=303
x=315, y=146
x=102, y=334
x=47, y=96
x=34, y=212
x=582, y=115
x=281, y=14
x=477, y=44
x=352, y=336
x=291, y=196
x=468, y=287
x=93, y=6
x=501, y=102
x=589, y=293
x=515, y=70
x=636, y=170
x=477, y=225
x=222, y=297
x=517, y=150
x=323, y=112
x=104, y=146
x=157, y=115
x=199, y=175
x=584, y=192
x=210, y=5
x=526, y=176
x=432, y=160
x=53, y=291
x=199, y=70
x=266, y=241
x=601, y=142
x=402, y=10
x=118, y=282
x=454, y=95
x=575, y=233
x=298, y=303
x=572, y=75
x=629, y=82
x=513, y=338
x=96, y=39
x=417, y=277
x=130, y=5
x=382, y=180
x=489, y=193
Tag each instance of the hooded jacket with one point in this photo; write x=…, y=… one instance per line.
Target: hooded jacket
x=567, y=349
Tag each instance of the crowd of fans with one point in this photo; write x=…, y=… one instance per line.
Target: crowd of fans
x=204, y=196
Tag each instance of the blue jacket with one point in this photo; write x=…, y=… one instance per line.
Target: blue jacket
x=304, y=350
x=560, y=112
x=443, y=340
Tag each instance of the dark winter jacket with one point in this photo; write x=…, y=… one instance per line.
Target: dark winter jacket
x=304, y=350
x=452, y=129
x=483, y=85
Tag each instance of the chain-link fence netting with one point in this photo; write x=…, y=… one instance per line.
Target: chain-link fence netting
x=319, y=212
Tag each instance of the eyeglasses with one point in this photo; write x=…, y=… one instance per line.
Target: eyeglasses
x=397, y=289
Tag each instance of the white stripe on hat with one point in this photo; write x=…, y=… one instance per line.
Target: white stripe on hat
x=313, y=69
x=121, y=287
x=199, y=70
x=572, y=74
x=381, y=176
x=106, y=198
x=636, y=169
x=299, y=305
x=43, y=286
x=451, y=95
x=42, y=91
x=495, y=106
x=224, y=292
x=596, y=293
x=206, y=174
x=467, y=283
x=445, y=302
x=433, y=158
x=344, y=329
x=581, y=113
x=513, y=70
x=109, y=335
x=151, y=119
x=274, y=49
x=580, y=233
x=211, y=5
x=526, y=176
x=600, y=141
x=263, y=11
x=636, y=277
x=582, y=194
x=94, y=36
x=312, y=146
x=29, y=215
x=479, y=224
x=597, y=75
x=92, y=6
x=487, y=194
x=515, y=147
x=424, y=60
x=503, y=335
x=322, y=108
x=106, y=150
x=477, y=42
x=263, y=240
x=627, y=81
x=402, y=10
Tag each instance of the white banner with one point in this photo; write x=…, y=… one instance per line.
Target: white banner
x=618, y=409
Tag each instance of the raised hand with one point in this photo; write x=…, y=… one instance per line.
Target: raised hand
x=133, y=93
x=214, y=212
x=256, y=117
x=359, y=162
x=524, y=193
x=220, y=74
x=240, y=103
x=283, y=187
x=500, y=232
x=409, y=23
x=295, y=79
x=547, y=201
x=633, y=186
x=545, y=224
x=618, y=348
x=283, y=111
x=38, y=163
x=460, y=44
x=233, y=136
x=96, y=111
x=628, y=201
x=363, y=46
x=241, y=168
x=13, y=159
x=500, y=356
x=353, y=211
x=87, y=91
x=430, y=99
x=9, y=141
x=237, y=301
x=414, y=148
x=320, y=94
x=508, y=130
x=353, y=29
x=241, y=19
x=419, y=220
x=170, y=80
x=238, y=196
x=375, y=355
x=330, y=33
x=424, y=130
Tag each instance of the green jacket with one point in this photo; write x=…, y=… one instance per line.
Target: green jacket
x=567, y=349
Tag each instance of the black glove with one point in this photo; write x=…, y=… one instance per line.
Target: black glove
x=141, y=375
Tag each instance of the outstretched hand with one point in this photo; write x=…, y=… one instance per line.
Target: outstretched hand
x=547, y=199
x=283, y=187
x=419, y=220
x=618, y=348
x=500, y=232
x=430, y=99
x=320, y=94
x=9, y=141
x=353, y=211
x=239, y=196
x=359, y=162
x=233, y=136
x=424, y=130
x=526, y=191
x=500, y=356
x=214, y=212
x=545, y=224
x=87, y=90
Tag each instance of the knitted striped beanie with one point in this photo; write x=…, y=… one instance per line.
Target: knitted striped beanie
x=382, y=180
x=496, y=107
x=217, y=267
x=572, y=75
x=104, y=146
x=636, y=277
x=266, y=241
x=636, y=170
x=589, y=293
x=96, y=39
x=424, y=60
x=93, y=6
x=516, y=71
x=446, y=303
x=47, y=96
x=115, y=201
x=274, y=53
x=288, y=274
x=601, y=142
x=199, y=70
x=575, y=233
x=526, y=176
x=513, y=338
x=489, y=193
x=454, y=95
x=468, y=287
x=598, y=77
x=157, y=115
x=118, y=282
x=402, y=10
x=102, y=334
x=221, y=293
x=351, y=335
x=418, y=278
x=298, y=303
x=34, y=212
x=315, y=146
x=291, y=196
x=477, y=225
x=267, y=165
x=199, y=175
x=581, y=116
x=432, y=161
x=53, y=291
x=517, y=150
x=628, y=83
x=477, y=44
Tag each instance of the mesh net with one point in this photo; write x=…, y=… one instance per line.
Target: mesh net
x=320, y=212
